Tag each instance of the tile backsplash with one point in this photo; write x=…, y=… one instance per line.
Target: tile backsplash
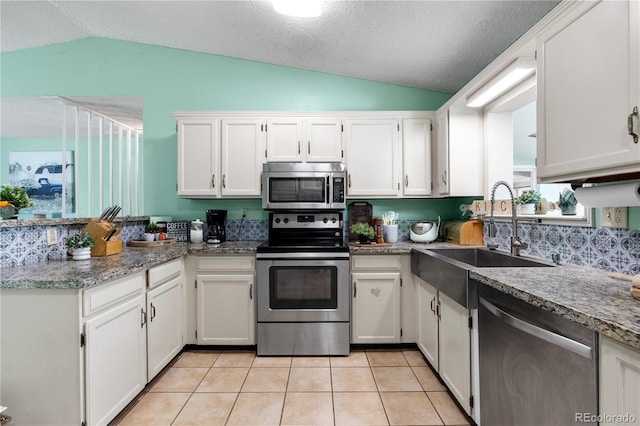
x=610, y=249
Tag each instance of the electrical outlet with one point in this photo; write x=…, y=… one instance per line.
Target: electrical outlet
x=615, y=217
x=244, y=212
x=52, y=236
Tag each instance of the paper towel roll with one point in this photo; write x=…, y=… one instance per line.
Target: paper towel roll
x=618, y=195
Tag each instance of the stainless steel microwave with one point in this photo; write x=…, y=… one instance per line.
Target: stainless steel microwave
x=303, y=186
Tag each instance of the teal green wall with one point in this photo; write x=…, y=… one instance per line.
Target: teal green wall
x=177, y=80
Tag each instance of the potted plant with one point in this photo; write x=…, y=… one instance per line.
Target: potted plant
x=528, y=201
x=80, y=245
x=364, y=231
x=16, y=196
x=567, y=202
x=150, y=232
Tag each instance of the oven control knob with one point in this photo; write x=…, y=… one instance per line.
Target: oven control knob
x=278, y=220
x=286, y=220
x=325, y=220
x=333, y=220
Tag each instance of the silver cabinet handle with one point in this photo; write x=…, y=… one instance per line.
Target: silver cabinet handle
x=153, y=312
x=444, y=177
x=143, y=318
x=438, y=309
x=355, y=289
x=349, y=179
x=213, y=180
x=406, y=181
x=309, y=148
x=546, y=335
x=630, y=126
x=224, y=185
x=433, y=301
x=298, y=147
x=250, y=291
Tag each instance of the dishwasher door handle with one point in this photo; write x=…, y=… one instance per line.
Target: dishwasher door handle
x=549, y=336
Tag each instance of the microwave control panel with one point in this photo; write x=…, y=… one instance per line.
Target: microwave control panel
x=338, y=189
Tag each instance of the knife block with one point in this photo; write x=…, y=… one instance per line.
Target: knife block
x=98, y=230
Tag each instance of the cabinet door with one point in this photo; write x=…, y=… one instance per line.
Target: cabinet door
x=198, y=158
x=372, y=158
x=455, y=350
x=428, y=321
x=376, y=308
x=588, y=84
x=164, y=330
x=619, y=381
x=116, y=359
x=442, y=159
x=225, y=310
x=323, y=139
x=416, y=156
x=284, y=139
x=241, y=157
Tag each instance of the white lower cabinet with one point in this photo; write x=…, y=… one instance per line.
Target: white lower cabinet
x=375, y=313
x=165, y=313
x=115, y=357
x=74, y=356
x=428, y=321
x=444, y=338
x=619, y=383
x=225, y=300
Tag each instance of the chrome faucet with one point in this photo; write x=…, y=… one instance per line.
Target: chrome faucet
x=516, y=244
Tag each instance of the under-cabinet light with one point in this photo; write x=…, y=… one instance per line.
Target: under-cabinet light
x=517, y=71
x=301, y=8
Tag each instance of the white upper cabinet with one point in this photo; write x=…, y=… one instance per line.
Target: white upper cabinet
x=284, y=139
x=459, y=152
x=198, y=157
x=416, y=156
x=219, y=157
x=588, y=87
x=323, y=139
x=241, y=157
x=372, y=157
x=298, y=139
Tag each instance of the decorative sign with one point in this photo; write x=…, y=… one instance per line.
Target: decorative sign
x=483, y=207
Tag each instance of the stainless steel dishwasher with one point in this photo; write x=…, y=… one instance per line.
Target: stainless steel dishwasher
x=536, y=368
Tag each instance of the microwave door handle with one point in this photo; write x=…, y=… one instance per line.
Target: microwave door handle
x=328, y=195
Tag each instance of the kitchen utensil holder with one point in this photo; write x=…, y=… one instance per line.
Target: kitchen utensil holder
x=98, y=230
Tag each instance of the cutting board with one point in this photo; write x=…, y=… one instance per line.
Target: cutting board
x=359, y=211
x=141, y=243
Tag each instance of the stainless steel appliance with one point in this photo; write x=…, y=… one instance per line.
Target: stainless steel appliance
x=536, y=368
x=303, y=186
x=303, y=285
x=216, y=226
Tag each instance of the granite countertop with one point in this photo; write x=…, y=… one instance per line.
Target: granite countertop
x=401, y=247
x=70, y=274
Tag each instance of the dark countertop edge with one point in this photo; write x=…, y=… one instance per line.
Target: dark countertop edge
x=611, y=329
x=25, y=223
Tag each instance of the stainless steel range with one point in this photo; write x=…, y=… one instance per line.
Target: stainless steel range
x=303, y=285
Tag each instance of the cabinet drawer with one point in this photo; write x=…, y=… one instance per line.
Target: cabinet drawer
x=226, y=263
x=165, y=272
x=106, y=295
x=376, y=262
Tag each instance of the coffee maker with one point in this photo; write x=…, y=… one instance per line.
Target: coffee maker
x=215, y=226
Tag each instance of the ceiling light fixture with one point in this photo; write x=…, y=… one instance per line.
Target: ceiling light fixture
x=300, y=8
x=517, y=71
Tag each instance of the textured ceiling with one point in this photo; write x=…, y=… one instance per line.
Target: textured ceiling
x=435, y=45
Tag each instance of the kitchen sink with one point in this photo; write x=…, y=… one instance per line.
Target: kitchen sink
x=448, y=269
x=483, y=258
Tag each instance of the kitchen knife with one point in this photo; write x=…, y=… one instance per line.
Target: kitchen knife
x=104, y=214
x=114, y=214
x=115, y=230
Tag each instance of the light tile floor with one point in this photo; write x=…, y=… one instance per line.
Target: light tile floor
x=376, y=387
